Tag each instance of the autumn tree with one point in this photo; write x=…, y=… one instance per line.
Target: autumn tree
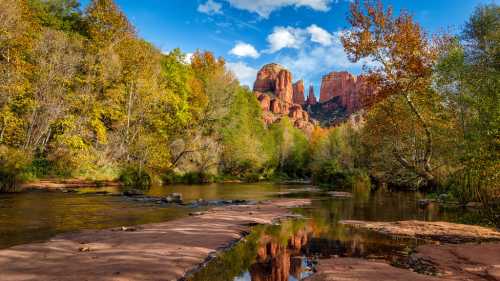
x=17, y=34
x=405, y=58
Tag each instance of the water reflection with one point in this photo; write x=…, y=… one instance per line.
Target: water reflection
x=288, y=252
x=37, y=216
x=227, y=191
x=269, y=253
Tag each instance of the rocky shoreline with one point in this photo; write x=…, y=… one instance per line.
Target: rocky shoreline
x=448, y=255
x=162, y=251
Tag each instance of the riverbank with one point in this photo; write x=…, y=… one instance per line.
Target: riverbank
x=439, y=260
x=65, y=184
x=75, y=184
x=162, y=251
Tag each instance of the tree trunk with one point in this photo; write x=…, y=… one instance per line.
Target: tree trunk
x=426, y=161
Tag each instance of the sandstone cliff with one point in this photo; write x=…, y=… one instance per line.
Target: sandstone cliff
x=350, y=89
x=276, y=80
x=275, y=92
x=298, y=92
x=342, y=94
x=311, y=98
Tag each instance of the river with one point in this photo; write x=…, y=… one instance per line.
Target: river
x=284, y=252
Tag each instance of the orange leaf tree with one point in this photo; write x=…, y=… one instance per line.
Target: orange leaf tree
x=404, y=59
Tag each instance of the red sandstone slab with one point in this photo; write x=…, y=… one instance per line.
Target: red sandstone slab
x=162, y=251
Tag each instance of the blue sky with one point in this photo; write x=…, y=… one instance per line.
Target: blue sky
x=302, y=35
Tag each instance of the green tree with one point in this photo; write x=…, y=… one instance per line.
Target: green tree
x=467, y=78
x=58, y=14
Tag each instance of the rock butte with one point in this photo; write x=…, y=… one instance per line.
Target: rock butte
x=311, y=98
x=349, y=88
x=275, y=92
x=298, y=92
x=279, y=96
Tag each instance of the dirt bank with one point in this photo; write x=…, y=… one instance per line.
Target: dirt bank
x=65, y=184
x=163, y=251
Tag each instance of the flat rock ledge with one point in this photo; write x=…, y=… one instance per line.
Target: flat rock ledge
x=436, y=261
x=451, y=262
x=436, y=231
x=161, y=251
x=354, y=269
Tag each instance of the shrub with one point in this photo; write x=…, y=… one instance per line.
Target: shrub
x=13, y=163
x=188, y=178
x=134, y=177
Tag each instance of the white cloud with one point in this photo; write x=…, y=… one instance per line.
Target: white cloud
x=245, y=73
x=242, y=49
x=290, y=37
x=285, y=37
x=265, y=7
x=210, y=8
x=314, y=60
x=320, y=36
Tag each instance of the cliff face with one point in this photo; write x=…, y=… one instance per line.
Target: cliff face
x=349, y=89
x=311, y=98
x=341, y=96
x=275, y=92
x=275, y=79
x=298, y=92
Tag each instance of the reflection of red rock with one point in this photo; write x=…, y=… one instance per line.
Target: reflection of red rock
x=275, y=261
x=350, y=89
x=278, y=97
x=298, y=92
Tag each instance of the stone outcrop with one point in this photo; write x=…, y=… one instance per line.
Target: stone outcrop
x=311, y=98
x=275, y=79
x=298, y=92
x=341, y=95
x=278, y=97
x=349, y=88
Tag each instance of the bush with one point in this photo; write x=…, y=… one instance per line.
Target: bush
x=188, y=178
x=38, y=168
x=13, y=163
x=134, y=177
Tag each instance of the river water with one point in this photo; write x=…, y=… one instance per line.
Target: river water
x=285, y=252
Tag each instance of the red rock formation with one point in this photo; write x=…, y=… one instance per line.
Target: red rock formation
x=278, y=97
x=265, y=101
x=337, y=84
x=298, y=92
x=311, y=98
x=350, y=89
x=273, y=78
